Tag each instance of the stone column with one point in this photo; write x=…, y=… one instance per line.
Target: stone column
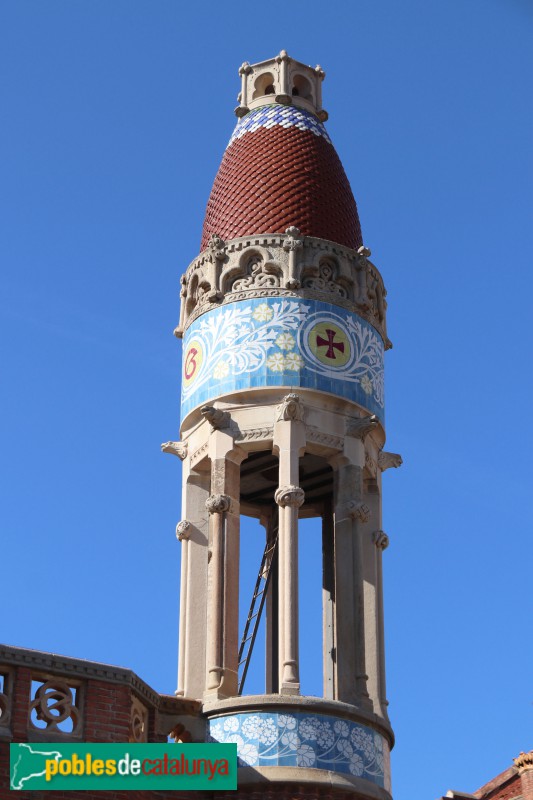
x=373, y=539
x=222, y=632
x=350, y=516
x=193, y=534
x=272, y=613
x=328, y=601
x=289, y=443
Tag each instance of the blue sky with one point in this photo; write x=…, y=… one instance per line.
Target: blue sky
x=115, y=117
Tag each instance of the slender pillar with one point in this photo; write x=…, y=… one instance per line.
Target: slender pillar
x=193, y=534
x=328, y=601
x=223, y=570
x=289, y=443
x=349, y=514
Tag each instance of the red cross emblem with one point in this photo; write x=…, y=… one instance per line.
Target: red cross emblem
x=330, y=343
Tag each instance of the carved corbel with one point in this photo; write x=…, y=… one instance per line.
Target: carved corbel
x=358, y=511
x=524, y=761
x=289, y=496
x=388, y=460
x=183, y=530
x=179, y=449
x=217, y=418
x=291, y=408
x=360, y=427
x=292, y=243
x=381, y=540
x=218, y=503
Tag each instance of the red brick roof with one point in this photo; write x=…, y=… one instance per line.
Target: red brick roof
x=277, y=175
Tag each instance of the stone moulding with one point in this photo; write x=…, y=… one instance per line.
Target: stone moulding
x=50, y=663
x=286, y=265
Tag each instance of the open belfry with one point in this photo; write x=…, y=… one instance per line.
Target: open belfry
x=283, y=320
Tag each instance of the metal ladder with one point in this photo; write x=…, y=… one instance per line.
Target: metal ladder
x=258, y=602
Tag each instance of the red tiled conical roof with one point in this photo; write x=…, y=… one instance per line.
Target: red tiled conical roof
x=280, y=169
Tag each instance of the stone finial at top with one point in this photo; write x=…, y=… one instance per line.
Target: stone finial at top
x=283, y=80
x=524, y=761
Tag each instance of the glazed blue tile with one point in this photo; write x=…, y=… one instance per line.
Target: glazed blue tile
x=251, y=344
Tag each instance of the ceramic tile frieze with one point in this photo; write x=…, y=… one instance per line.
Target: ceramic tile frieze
x=290, y=342
x=298, y=739
x=285, y=116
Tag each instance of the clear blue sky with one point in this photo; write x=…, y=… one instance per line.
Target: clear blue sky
x=115, y=117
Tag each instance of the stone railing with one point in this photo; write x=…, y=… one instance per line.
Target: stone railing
x=50, y=698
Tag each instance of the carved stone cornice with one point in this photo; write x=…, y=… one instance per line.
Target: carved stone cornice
x=359, y=428
x=318, y=436
x=179, y=449
x=358, y=511
x=388, y=460
x=183, y=530
x=217, y=418
x=254, y=434
x=524, y=761
x=381, y=540
x=294, y=265
x=289, y=496
x=290, y=409
x=218, y=503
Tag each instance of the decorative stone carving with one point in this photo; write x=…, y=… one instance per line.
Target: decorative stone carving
x=183, y=530
x=176, y=448
x=218, y=503
x=361, y=427
x=388, y=460
x=55, y=705
x=290, y=408
x=217, y=418
x=138, y=728
x=254, y=434
x=324, y=279
x=217, y=248
x=199, y=454
x=358, y=511
x=289, y=496
x=314, y=435
x=260, y=275
x=292, y=243
x=524, y=761
x=357, y=286
x=381, y=540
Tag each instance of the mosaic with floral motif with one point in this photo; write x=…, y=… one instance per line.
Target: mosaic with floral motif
x=304, y=740
x=282, y=342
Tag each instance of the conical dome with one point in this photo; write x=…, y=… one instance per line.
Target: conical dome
x=280, y=169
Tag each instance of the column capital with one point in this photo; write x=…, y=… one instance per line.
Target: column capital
x=290, y=409
x=183, y=530
x=289, y=496
x=218, y=503
x=381, y=540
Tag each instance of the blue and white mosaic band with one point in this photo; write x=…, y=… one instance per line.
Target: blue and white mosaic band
x=289, y=342
x=316, y=741
x=284, y=116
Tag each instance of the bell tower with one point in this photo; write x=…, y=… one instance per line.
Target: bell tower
x=283, y=320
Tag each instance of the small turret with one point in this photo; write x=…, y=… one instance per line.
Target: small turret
x=281, y=80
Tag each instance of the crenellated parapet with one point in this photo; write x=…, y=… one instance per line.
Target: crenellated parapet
x=284, y=265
